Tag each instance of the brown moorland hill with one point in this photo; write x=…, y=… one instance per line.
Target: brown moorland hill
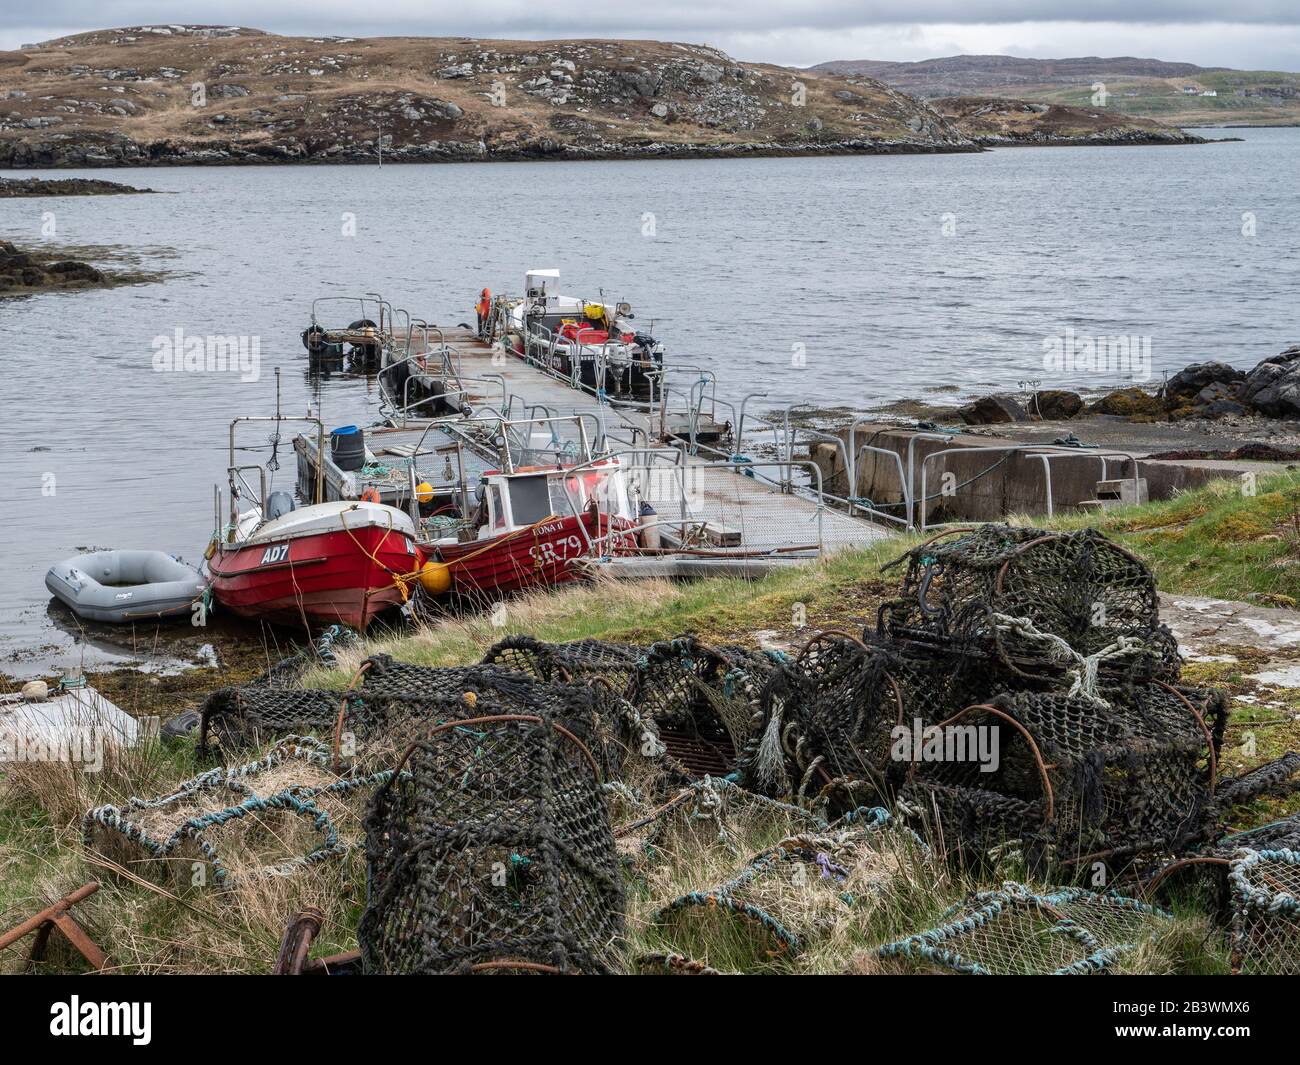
x=196, y=94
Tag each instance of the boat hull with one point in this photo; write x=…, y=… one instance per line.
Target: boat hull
x=346, y=576
x=541, y=555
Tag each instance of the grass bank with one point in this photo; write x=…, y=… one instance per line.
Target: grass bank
x=1214, y=541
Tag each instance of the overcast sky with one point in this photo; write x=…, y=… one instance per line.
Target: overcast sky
x=1258, y=34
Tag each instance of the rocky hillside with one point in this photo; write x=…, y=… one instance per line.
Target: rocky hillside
x=992, y=121
x=189, y=94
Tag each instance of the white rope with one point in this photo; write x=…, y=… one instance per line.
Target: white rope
x=769, y=759
x=1085, y=675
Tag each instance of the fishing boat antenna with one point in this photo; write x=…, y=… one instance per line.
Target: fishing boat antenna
x=273, y=463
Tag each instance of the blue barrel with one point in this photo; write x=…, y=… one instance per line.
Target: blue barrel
x=348, y=447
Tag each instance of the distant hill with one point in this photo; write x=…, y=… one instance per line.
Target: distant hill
x=938, y=77
x=1176, y=93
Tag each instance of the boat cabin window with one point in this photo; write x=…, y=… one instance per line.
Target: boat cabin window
x=530, y=501
x=602, y=486
x=498, y=511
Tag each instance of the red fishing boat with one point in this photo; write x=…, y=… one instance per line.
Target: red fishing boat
x=553, y=502
x=331, y=562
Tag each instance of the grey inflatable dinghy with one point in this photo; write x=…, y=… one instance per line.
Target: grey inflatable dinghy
x=120, y=586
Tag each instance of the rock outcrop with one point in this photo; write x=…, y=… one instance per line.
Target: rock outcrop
x=15, y=187
x=1056, y=404
x=992, y=410
x=1216, y=390
x=1129, y=403
x=1187, y=385
x=1273, y=387
x=199, y=94
x=996, y=122
x=21, y=271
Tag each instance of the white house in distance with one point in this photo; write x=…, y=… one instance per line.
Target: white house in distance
x=1210, y=92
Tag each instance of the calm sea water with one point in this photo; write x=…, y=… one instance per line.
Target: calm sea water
x=889, y=275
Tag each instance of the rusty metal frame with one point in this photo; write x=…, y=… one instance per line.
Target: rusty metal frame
x=295, y=945
x=54, y=917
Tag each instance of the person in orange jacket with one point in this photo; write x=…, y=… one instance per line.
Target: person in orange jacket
x=483, y=309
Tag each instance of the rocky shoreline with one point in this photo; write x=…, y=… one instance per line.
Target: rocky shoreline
x=994, y=122
x=1205, y=391
x=227, y=153
x=26, y=272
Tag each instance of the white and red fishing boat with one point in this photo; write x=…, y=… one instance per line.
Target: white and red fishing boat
x=330, y=562
x=533, y=525
x=529, y=523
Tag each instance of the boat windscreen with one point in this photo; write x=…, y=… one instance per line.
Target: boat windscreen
x=529, y=499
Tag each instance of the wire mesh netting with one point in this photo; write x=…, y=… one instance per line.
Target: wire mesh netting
x=1019, y=698
x=1266, y=912
x=373, y=723
x=1016, y=931
x=614, y=663
x=701, y=815
x=492, y=850
x=1278, y=778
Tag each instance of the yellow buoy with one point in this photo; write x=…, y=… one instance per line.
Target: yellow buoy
x=424, y=491
x=435, y=578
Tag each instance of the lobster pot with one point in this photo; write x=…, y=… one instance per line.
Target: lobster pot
x=1037, y=602
x=586, y=660
x=1089, y=780
x=491, y=851
x=833, y=712
x=704, y=701
x=1017, y=932
x=788, y=897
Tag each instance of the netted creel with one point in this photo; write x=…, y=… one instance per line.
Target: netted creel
x=1070, y=780
x=1042, y=604
x=228, y=825
x=491, y=850
x=702, y=814
x=787, y=897
x=410, y=697
x=705, y=701
x=832, y=711
x=578, y=660
x=391, y=703
x=826, y=713
x=1204, y=869
x=236, y=718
